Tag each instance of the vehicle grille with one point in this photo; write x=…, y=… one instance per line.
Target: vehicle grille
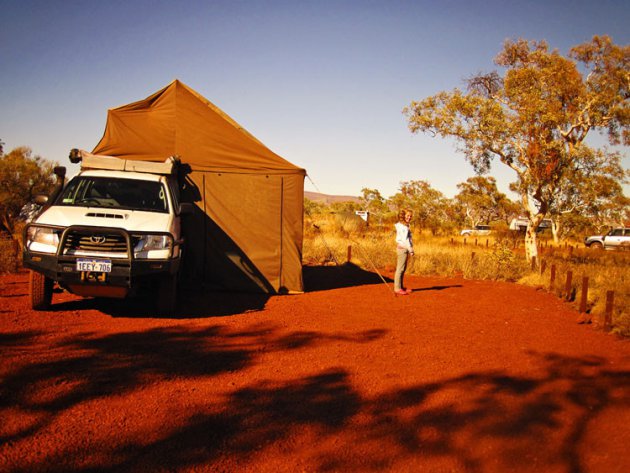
x=101, y=243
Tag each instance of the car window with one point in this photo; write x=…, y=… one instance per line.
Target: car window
x=115, y=193
x=617, y=232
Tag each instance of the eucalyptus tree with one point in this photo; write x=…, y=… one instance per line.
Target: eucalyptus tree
x=593, y=189
x=481, y=200
x=535, y=117
x=429, y=205
x=373, y=202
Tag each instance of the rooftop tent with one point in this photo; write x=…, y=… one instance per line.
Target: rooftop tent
x=247, y=233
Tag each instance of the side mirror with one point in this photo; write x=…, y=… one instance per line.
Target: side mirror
x=41, y=199
x=60, y=172
x=186, y=208
x=75, y=156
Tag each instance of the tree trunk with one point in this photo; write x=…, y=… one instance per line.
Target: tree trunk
x=534, y=218
x=556, y=226
x=531, y=243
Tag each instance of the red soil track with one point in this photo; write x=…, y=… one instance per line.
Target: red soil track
x=460, y=376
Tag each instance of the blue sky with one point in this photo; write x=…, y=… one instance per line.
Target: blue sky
x=322, y=83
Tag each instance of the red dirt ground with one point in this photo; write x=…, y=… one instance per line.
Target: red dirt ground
x=460, y=376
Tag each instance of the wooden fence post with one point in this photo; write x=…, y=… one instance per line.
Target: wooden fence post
x=16, y=254
x=567, y=286
x=543, y=266
x=610, y=300
x=552, y=279
x=349, y=253
x=533, y=263
x=584, y=298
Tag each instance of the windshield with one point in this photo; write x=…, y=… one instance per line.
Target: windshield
x=114, y=193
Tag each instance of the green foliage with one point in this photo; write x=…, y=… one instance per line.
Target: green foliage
x=22, y=176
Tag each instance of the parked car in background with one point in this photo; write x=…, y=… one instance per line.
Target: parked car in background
x=477, y=230
x=615, y=239
x=519, y=224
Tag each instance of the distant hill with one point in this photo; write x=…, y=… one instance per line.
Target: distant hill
x=329, y=199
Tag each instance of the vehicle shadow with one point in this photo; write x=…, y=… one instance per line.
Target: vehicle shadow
x=193, y=303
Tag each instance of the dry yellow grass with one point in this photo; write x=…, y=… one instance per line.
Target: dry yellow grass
x=327, y=239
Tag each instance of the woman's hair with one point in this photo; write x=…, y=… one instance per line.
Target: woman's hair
x=403, y=213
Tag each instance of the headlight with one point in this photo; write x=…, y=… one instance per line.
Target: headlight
x=42, y=239
x=153, y=243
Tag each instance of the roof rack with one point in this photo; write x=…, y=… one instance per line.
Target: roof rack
x=112, y=163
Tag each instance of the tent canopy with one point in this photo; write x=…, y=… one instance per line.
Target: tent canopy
x=178, y=121
x=247, y=234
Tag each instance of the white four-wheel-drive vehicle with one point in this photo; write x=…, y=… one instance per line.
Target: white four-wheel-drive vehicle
x=115, y=228
x=477, y=230
x=615, y=239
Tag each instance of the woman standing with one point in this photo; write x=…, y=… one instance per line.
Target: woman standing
x=404, y=248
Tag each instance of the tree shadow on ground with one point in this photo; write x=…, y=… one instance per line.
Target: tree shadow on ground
x=324, y=278
x=96, y=367
x=496, y=419
x=476, y=420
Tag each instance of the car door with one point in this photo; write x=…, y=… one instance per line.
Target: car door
x=614, y=238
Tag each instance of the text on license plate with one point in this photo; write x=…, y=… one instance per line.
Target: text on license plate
x=94, y=265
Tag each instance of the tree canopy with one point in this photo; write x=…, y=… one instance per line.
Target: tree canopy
x=482, y=202
x=535, y=118
x=22, y=176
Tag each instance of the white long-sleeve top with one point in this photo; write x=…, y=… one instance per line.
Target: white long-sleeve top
x=403, y=237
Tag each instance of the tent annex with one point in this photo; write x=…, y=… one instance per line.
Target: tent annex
x=247, y=233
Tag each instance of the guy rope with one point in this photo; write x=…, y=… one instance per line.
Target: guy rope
x=361, y=250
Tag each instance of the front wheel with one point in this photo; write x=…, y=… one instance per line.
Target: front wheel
x=41, y=289
x=596, y=246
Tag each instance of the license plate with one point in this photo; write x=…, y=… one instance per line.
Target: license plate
x=94, y=265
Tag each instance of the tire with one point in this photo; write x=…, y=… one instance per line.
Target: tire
x=596, y=246
x=41, y=289
x=167, y=296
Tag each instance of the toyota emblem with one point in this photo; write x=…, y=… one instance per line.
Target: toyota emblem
x=97, y=239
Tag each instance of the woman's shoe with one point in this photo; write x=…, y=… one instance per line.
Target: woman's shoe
x=401, y=292
x=408, y=291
